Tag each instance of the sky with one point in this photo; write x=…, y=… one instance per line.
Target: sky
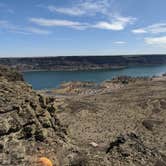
x=81, y=27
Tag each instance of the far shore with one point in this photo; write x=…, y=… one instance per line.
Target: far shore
x=89, y=69
x=76, y=69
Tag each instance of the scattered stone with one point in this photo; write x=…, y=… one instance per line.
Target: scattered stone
x=28, y=131
x=163, y=104
x=40, y=134
x=1, y=147
x=4, y=127
x=51, y=108
x=156, y=110
x=148, y=124
x=94, y=144
x=45, y=121
x=42, y=101
x=119, y=140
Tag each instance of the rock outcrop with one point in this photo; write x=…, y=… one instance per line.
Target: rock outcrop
x=10, y=74
x=29, y=127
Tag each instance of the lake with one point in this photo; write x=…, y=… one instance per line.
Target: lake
x=52, y=79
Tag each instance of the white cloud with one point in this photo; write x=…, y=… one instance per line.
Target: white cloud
x=161, y=41
x=119, y=42
x=109, y=26
x=139, y=31
x=55, y=22
x=69, y=11
x=37, y=31
x=154, y=29
x=86, y=7
x=5, y=25
x=118, y=23
x=106, y=19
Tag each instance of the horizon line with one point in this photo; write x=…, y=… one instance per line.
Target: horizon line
x=15, y=57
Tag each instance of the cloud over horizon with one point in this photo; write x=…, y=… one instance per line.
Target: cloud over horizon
x=117, y=24
x=107, y=18
x=154, y=29
x=160, y=41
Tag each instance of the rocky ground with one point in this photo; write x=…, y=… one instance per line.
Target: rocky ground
x=122, y=124
x=78, y=88
x=29, y=127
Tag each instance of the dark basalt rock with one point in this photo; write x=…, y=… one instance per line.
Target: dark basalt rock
x=25, y=122
x=150, y=123
x=40, y=134
x=163, y=104
x=119, y=140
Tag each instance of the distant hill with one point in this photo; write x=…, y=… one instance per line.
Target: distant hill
x=81, y=62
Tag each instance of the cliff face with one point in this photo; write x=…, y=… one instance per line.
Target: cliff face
x=81, y=62
x=29, y=127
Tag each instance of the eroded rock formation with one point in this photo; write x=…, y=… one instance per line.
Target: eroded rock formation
x=29, y=127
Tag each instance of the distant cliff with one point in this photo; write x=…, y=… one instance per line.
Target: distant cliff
x=82, y=62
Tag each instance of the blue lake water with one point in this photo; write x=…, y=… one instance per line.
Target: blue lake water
x=52, y=79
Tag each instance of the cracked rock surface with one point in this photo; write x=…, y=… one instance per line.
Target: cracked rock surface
x=29, y=127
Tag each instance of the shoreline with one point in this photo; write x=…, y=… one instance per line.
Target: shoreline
x=76, y=69
x=91, y=69
x=89, y=88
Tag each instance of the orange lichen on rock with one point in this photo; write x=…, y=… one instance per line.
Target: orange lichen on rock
x=43, y=161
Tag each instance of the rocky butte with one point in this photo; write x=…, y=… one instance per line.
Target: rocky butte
x=118, y=123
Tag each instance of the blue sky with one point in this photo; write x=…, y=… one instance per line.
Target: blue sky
x=81, y=27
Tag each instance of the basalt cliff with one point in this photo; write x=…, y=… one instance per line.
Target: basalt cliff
x=29, y=127
x=71, y=63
